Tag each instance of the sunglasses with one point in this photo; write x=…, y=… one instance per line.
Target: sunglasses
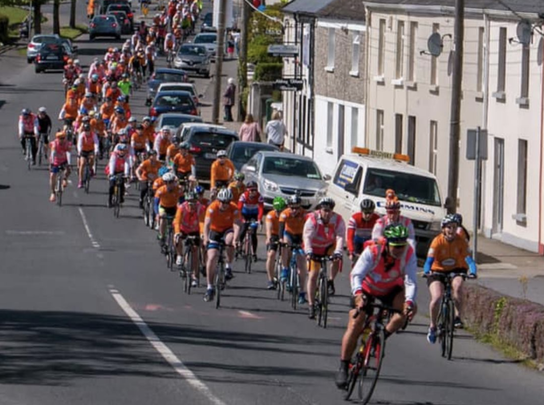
x=368, y=212
x=326, y=209
x=252, y=190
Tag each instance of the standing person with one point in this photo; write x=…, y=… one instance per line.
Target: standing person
x=276, y=130
x=228, y=99
x=250, y=131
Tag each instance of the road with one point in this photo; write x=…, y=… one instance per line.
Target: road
x=90, y=314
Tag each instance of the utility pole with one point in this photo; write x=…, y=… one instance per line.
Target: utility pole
x=242, y=59
x=453, y=173
x=219, y=61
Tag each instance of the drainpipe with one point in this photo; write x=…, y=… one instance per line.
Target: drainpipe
x=540, y=219
x=485, y=119
x=367, y=74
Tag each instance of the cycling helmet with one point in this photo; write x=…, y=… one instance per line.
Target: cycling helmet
x=199, y=190
x=251, y=184
x=163, y=170
x=122, y=131
x=326, y=201
x=92, y=113
x=221, y=153
x=77, y=82
x=121, y=147
x=140, y=127
x=83, y=111
x=70, y=61
x=185, y=145
x=176, y=139
x=458, y=218
x=88, y=94
x=86, y=119
x=239, y=176
x=25, y=111
x=191, y=196
x=76, y=62
x=294, y=200
x=60, y=134
x=367, y=205
x=94, y=77
x=119, y=110
x=392, y=204
x=42, y=109
x=169, y=177
x=165, y=128
x=278, y=203
x=224, y=195
x=396, y=235
x=121, y=99
x=146, y=118
x=132, y=119
x=448, y=220
x=152, y=152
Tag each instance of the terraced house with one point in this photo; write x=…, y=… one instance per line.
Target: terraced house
x=405, y=86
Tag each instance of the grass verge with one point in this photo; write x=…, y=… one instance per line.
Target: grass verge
x=72, y=33
x=16, y=15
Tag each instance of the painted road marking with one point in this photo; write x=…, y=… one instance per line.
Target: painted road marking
x=249, y=315
x=34, y=233
x=86, y=225
x=163, y=350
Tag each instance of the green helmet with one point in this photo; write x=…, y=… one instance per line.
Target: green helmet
x=279, y=203
x=396, y=235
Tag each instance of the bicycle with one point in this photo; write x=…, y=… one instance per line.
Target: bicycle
x=87, y=176
x=41, y=155
x=170, y=57
x=294, y=280
x=58, y=186
x=219, y=281
x=248, y=245
x=28, y=151
x=116, y=198
x=365, y=369
x=190, y=244
x=278, y=267
x=322, y=292
x=169, y=246
x=148, y=211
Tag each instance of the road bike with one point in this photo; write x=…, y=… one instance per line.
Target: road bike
x=219, y=281
x=148, y=210
x=59, y=188
x=28, y=150
x=294, y=278
x=191, y=248
x=364, y=369
x=322, y=291
x=41, y=155
x=247, y=246
x=169, y=247
x=117, y=197
x=87, y=175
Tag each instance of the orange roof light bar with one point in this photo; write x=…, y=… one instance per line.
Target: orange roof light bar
x=380, y=154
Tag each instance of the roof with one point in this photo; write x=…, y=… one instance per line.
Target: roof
x=520, y=6
x=308, y=7
x=344, y=10
x=387, y=164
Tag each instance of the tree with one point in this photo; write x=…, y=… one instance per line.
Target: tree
x=73, y=14
x=56, y=17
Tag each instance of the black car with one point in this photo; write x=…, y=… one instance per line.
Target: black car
x=104, y=26
x=240, y=152
x=124, y=22
x=126, y=9
x=207, y=23
x=163, y=75
x=205, y=140
x=50, y=56
x=173, y=101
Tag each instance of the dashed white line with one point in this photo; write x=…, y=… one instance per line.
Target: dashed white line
x=86, y=225
x=34, y=233
x=163, y=350
x=249, y=315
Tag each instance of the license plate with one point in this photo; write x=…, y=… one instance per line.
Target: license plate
x=210, y=155
x=52, y=58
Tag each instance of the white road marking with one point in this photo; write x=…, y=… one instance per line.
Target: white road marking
x=34, y=233
x=86, y=225
x=249, y=315
x=163, y=350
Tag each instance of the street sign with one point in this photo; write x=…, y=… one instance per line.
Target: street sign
x=283, y=50
x=289, y=84
x=472, y=135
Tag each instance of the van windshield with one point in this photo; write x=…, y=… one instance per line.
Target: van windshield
x=408, y=187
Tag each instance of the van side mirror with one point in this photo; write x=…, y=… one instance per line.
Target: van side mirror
x=250, y=168
x=327, y=177
x=351, y=188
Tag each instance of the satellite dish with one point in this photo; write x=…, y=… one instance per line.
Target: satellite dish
x=524, y=31
x=435, y=44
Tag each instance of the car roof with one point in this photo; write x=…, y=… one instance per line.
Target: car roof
x=288, y=155
x=209, y=127
x=174, y=93
x=115, y=12
x=182, y=84
x=387, y=164
x=244, y=144
x=181, y=115
x=204, y=124
x=46, y=36
x=170, y=70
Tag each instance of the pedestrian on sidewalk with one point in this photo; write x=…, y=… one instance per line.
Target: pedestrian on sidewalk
x=276, y=130
x=228, y=100
x=250, y=131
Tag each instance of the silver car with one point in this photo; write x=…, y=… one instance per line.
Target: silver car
x=282, y=174
x=209, y=40
x=193, y=58
x=36, y=42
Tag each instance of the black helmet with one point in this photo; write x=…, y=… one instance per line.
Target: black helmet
x=294, y=200
x=367, y=205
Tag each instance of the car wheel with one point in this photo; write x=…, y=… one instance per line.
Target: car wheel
x=118, y=37
x=207, y=74
x=37, y=70
x=28, y=60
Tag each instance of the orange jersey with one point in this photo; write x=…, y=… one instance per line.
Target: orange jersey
x=99, y=127
x=221, y=172
x=448, y=255
x=172, y=151
x=158, y=183
x=139, y=141
x=221, y=220
x=293, y=224
x=106, y=111
x=149, y=132
x=273, y=222
x=202, y=215
x=184, y=163
x=150, y=170
x=168, y=198
x=70, y=111
x=236, y=190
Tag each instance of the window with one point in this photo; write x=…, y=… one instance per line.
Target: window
x=433, y=147
x=379, y=129
x=330, y=57
x=355, y=54
x=330, y=111
x=480, y=67
x=525, y=71
x=354, y=125
x=501, y=74
x=381, y=48
x=411, y=52
x=522, y=177
x=434, y=62
x=399, y=74
x=398, y=133
x=412, y=139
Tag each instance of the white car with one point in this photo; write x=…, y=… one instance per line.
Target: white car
x=190, y=87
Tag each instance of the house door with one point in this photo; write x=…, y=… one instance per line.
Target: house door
x=340, y=131
x=498, y=183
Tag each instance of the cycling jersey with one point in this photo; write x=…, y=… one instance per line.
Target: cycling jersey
x=185, y=163
x=292, y=224
x=149, y=170
x=28, y=125
x=187, y=220
x=161, y=144
x=448, y=255
x=158, y=183
x=222, y=220
x=106, y=111
x=118, y=164
x=236, y=190
x=138, y=141
x=318, y=236
x=382, y=222
x=69, y=111
x=60, y=152
x=251, y=206
x=221, y=172
x=172, y=151
x=168, y=198
x=359, y=231
x=272, y=222
x=87, y=142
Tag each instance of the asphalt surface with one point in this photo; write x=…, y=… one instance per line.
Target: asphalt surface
x=91, y=315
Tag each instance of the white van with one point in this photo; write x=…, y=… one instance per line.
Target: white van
x=368, y=174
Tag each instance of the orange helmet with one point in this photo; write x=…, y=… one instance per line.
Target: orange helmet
x=60, y=134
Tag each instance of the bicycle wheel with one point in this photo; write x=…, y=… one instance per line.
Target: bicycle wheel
x=145, y=212
x=281, y=283
x=87, y=178
x=247, y=253
x=188, y=260
x=116, y=201
x=294, y=284
x=324, y=303
x=218, y=284
x=373, y=358
x=449, y=329
x=354, y=372
x=58, y=190
x=28, y=153
x=171, y=253
x=440, y=327
x=40, y=150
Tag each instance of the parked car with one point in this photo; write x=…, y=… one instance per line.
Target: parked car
x=173, y=101
x=36, y=42
x=205, y=140
x=190, y=87
x=51, y=56
x=104, y=4
x=209, y=40
x=124, y=7
x=240, y=152
x=163, y=75
x=104, y=26
x=282, y=174
x=193, y=58
x=124, y=22
x=207, y=23
x=175, y=120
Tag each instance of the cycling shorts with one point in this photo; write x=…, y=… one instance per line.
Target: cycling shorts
x=292, y=239
x=221, y=183
x=216, y=237
x=195, y=234
x=386, y=299
x=318, y=254
x=441, y=275
x=86, y=153
x=45, y=138
x=274, y=243
x=57, y=168
x=167, y=211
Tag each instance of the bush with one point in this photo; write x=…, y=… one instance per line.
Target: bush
x=257, y=51
x=268, y=72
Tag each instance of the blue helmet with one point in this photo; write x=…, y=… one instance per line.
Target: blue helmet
x=199, y=189
x=163, y=170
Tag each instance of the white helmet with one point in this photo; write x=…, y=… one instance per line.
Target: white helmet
x=221, y=153
x=168, y=177
x=224, y=195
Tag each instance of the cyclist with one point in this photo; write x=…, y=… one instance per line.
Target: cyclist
x=125, y=85
x=28, y=127
x=184, y=163
x=119, y=164
x=449, y=254
x=273, y=238
x=222, y=223
x=147, y=172
x=222, y=171
x=87, y=149
x=149, y=130
x=95, y=86
x=138, y=141
x=122, y=102
x=186, y=223
x=44, y=129
x=167, y=198
x=237, y=186
x=251, y=206
x=59, y=160
x=386, y=270
x=107, y=111
x=162, y=141
x=119, y=121
x=172, y=150
x=169, y=43
x=392, y=216
x=291, y=226
x=461, y=230
x=323, y=235
x=360, y=227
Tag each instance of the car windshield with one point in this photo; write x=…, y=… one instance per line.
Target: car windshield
x=168, y=77
x=205, y=39
x=408, y=187
x=291, y=167
x=190, y=89
x=212, y=140
x=177, y=121
x=104, y=20
x=192, y=50
x=243, y=154
x=45, y=40
x=119, y=14
x=173, y=100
